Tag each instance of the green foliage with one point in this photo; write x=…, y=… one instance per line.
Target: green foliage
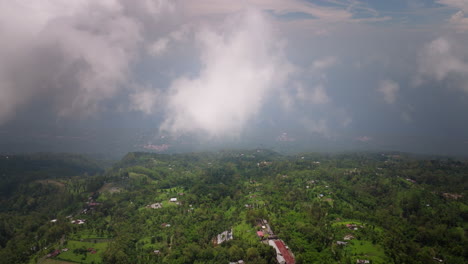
x=405, y=210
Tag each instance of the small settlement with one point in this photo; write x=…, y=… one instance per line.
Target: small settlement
x=224, y=236
x=283, y=253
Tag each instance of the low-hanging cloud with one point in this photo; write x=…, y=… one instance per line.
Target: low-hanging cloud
x=440, y=60
x=77, y=54
x=389, y=90
x=242, y=65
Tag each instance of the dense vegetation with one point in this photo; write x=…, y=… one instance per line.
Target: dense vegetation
x=391, y=208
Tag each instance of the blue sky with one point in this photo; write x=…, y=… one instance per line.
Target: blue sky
x=184, y=75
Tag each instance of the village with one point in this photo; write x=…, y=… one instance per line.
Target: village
x=261, y=219
x=283, y=252
x=266, y=236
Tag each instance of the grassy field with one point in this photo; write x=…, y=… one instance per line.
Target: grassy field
x=86, y=234
x=80, y=258
x=366, y=250
x=338, y=224
x=356, y=222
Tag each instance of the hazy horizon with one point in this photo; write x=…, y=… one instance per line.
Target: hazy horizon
x=167, y=76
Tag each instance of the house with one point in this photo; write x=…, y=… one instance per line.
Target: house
x=53, y=254
x=348, y=237
x=452, y=196
x=53, y=220
x=283, y=256
x=173, y=200
x=362, y=261
x=155, y=205
x=352, y=226
x=224, y=236
x=260, y=234
x=411, y=180
x=157, y=252
x=78, y=221
x=263, y=164
x=341, y=243
x=64, y=249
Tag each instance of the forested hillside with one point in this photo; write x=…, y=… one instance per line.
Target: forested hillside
x=183, y=208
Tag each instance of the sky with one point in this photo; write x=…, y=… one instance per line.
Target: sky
x=114, y=76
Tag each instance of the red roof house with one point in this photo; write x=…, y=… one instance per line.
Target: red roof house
x=284, y=252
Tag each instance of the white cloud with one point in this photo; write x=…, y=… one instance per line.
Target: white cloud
x=162, y=45
x=158, y=47
x=324, y=63
x=459, y=19
x=145, y=100
x=440, y=60
x=389, y=89
x=219, y=7
x=460, y=4
x=316, y=95
x=78, y=54
x=241, y=66
x=315, y=92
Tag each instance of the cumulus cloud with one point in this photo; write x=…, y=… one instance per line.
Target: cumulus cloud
x=440, y=60
x=158, y=47
x=162, y=45
x=316, y=95
x=77, y=54
x=389, y=89
x=145, y=100
x=458, y=19
x=315, y=91
x=242, y=65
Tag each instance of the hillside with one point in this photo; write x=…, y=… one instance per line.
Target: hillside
x=237, y=205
